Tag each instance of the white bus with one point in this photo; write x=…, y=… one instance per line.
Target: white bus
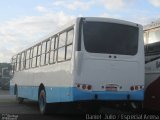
x=152, y=65
x=89, y=59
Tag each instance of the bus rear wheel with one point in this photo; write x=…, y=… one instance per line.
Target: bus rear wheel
x=43, y=106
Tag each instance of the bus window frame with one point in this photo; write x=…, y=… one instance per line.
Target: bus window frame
x=23, y=60
x=34, y=56
x=54, y=49
x=47, y=51
x=61, y=47
x=66, y=45
x=18, y=59
x=69, y=44
x=38, y=62
x=27, y=58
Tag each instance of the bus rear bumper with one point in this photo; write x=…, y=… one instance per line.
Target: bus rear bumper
x=109, y=96
x=133, y=96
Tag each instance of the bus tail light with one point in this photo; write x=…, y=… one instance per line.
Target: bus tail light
x=89, y=87
x=136, y=87
x=84, y=86
x=131, y=88
x=78, y=85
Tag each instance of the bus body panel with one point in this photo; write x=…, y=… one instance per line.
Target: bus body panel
x=121, y=73
x=28, y=81
x=100, y=70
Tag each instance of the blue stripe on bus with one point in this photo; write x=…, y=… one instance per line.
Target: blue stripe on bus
x=11, y=90
x=107, y=95
x=70, y=94
x=121, y=95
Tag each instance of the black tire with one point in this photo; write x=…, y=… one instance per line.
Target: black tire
x=43, y=106
x=19, y=99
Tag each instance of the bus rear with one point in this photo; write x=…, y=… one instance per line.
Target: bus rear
x=109, y=62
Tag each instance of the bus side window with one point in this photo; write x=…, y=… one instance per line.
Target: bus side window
x=27, y=58
x=52, y=50
x=55, y=49
x=18, y=62
x=38, y=55
x=22, y=60
x=31, y=57
x=43, y=53
x=47, y=51
x=53, y=53
x=69, y=44
x=34, y=60
x=61, y=47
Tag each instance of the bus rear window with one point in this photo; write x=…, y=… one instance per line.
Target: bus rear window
x=110, y=38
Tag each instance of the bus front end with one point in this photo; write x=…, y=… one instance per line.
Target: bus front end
x=109, y=62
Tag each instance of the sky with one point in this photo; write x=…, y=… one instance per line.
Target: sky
x=24, y=22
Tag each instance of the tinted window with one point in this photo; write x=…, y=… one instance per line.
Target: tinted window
x=111, y=38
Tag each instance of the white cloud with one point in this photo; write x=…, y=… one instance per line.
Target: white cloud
x=79, y=4
x=105, y=15
x=41, y=8
x=17, y=34
x=155, y=3
x=116, y=4
x=59, y=3
x=114, y=16
x=74, y=5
